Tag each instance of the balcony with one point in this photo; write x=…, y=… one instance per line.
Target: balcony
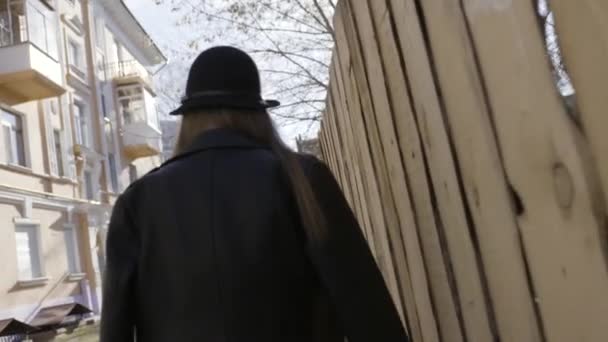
x=30, y=68
x=129, y=72
x=141, y=136
x=140, y=142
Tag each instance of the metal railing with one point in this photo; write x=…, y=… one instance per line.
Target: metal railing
x=126, y=69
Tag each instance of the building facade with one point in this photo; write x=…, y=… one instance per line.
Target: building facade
x=78, y=125
x=170, y=131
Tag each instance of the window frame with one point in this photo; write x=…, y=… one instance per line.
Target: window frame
x=74, y=267
x=40, y=277
x=9, y=158
x=75, y=60
x=82, y=123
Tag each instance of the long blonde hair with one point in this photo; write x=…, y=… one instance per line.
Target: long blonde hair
x=259, y=127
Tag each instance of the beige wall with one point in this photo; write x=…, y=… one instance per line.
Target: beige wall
x=35, y=182
x=54, y=259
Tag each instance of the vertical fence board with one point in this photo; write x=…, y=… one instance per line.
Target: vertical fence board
x=383, y=251
x=415, y=169
x=388, y=158
x=474, y=142
x=545, y=161
x=347, y=160
x=482, y=200
x=338, y=101
x=343, y=167
x=443, y=175
x=582, y=28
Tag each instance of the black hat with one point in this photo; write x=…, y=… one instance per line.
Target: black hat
x=223, y=77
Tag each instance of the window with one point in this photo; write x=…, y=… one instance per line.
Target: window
x=71, y=249
x=151, y=113
x=29, y=262
x=81, y=124
x=5, y=29
x=132, y=105
x=12, y=130
x=88, y=185
x=42, y=28
x=113, y=173
x=58, y=139
x=75, y=55
x=99, y=33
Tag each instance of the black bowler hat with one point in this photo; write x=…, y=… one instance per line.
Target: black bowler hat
x=223, y=77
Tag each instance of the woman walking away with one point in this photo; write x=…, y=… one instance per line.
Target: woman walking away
x=237, y=238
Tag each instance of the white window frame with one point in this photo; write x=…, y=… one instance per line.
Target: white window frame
x=82, y=123
x=9, y=158
x=73, y=261
x=40, y=278
x=78, y=63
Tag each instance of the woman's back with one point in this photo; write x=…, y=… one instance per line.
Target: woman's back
x=237, y=238
x=222, y=254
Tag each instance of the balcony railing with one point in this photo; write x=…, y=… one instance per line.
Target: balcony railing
x=127, y=70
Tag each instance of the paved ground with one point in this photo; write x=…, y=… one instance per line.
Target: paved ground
x=84, y=334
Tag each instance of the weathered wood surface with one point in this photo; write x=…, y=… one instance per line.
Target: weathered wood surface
x=482, y=197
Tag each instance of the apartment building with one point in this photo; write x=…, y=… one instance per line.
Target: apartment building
x=78, y=124
x=170, y=131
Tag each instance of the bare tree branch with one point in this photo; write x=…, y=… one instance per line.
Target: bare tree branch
x=314, y=60
x=327, y=22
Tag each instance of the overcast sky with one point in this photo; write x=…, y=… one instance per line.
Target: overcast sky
x=160, y=22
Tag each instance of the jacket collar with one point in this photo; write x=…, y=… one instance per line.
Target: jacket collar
x=217, y=139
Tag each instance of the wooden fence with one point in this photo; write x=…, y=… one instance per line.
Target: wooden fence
x=482, y=196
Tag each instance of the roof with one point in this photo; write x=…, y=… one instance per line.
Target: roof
x=11, y=327
x=134, y=30
x=55, y=315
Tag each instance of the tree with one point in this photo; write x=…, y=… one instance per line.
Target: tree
x=292, y=41
x=547, y=22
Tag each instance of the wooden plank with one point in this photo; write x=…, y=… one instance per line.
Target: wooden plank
x=385, y=156
x=405, y=281
x=582, y=28
x=342, y=154
x=332, y=148
x=322, y=142
x=339, y=111
x=338, y=153
x=343, y=167
x=353, y=148
x=383, y=254
x=443, y=174
x=355, y=206
x=483, y=180
x=545, y=160
x=465, y=272
x=398, y=102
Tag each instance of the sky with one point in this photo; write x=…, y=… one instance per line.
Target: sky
x=160, y=22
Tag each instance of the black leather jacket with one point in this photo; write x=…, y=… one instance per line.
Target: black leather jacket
x=209, y=247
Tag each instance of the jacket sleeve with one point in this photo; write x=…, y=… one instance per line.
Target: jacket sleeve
x=347, y=268
x=117, y=316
